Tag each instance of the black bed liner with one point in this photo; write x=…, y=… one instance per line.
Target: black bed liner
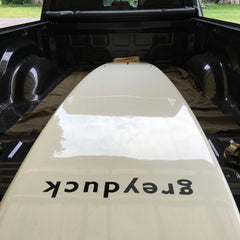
x=13, y=150
x=219, y=142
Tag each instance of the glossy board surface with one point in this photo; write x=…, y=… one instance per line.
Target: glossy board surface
x=122, y=158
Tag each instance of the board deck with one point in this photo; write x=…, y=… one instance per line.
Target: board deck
x=123, y=157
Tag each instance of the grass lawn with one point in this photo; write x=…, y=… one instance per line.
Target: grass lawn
x=229, y=13
x=20, y=11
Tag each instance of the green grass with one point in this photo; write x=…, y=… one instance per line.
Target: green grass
x=7, y=11
x=229, y=13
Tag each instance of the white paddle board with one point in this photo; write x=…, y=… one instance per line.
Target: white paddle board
x=123, y=158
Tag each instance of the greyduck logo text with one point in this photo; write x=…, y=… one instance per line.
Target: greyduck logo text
x=182, y=187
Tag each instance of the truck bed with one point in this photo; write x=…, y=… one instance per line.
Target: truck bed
x=113, y=130
x=217, y=126
x=211, y=119
x=42, y=62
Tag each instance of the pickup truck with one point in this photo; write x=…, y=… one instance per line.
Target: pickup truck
x=125, y=155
